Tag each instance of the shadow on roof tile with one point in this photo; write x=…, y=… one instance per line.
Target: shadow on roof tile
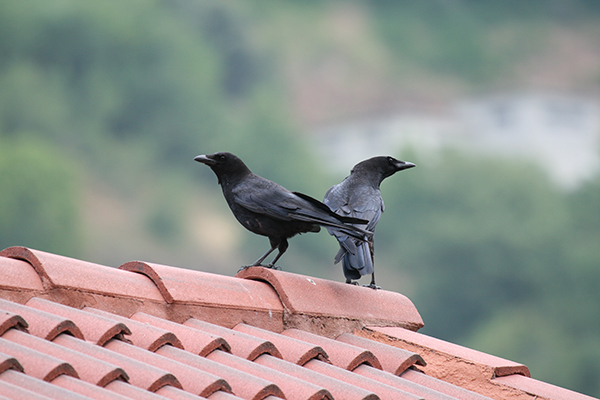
x=10, y=320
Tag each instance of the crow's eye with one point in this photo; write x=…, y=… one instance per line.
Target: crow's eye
x=391, y=160
x=221, y=157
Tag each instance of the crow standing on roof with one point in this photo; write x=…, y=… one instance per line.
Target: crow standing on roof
x=358, y=196
x=268, y=209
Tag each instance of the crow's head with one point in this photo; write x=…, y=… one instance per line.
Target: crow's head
x=381, y=166
x=225, y=165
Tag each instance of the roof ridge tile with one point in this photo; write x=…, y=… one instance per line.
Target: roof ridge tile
x=95, y=328
x=64, y=272
x=41, y=323
x=19, y=275
x=142, y=335
x=341, y=354
x=351, y=306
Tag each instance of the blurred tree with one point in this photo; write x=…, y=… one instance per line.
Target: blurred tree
x=39, y=202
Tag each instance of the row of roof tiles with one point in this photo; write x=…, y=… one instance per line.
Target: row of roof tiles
x=72, y=329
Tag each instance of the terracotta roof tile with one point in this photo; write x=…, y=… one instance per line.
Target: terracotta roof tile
x=90, y=369
x=17, y=274
x=350, y=305
x=242, y=384
x=143, y=335
x=242, y=344
x=140, y=374
x=340, y=354
x=192, y=380
x=86, y=389
x=293, y=350
x=32, y=388
x=382, y=390
x=339, y=389
x=95, y=328
x=10, y=391
x=498, y=366
x=540, y=389
x=9, y=362
x=440, y=386
x=252, y=300
x=228, y=396
x=175, y=394
x=41, y=323
x=208, y=315
x=9, y=320
x=400, y=383
x=392, y=359
x=60, y=271
x=193, y=340
x=131, y=391
x=293, y=388
x=35, y=363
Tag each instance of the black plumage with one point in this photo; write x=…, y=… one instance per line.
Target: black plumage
x=268, y=209
x=359, y=196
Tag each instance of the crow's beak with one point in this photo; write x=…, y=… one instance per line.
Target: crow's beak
x=404, y=165
x=204, y=160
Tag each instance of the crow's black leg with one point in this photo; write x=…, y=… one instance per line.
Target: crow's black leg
x=261, y=259
x=351, y=282
x=372, y=285
x=283, y=245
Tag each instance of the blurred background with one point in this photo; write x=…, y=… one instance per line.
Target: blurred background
x=495, y=236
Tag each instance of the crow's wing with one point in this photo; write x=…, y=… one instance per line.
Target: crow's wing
x=262, y=196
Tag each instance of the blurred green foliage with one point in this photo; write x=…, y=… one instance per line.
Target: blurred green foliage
x=123, y=94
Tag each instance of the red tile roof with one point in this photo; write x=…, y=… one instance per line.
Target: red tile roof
x=74, y=329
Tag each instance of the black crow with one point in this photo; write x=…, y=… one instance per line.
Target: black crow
x=268, y=209
x=359, y=196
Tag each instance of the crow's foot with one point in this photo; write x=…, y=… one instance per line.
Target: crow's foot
x=372, y=286
x=351, y=282
x=275, y=267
